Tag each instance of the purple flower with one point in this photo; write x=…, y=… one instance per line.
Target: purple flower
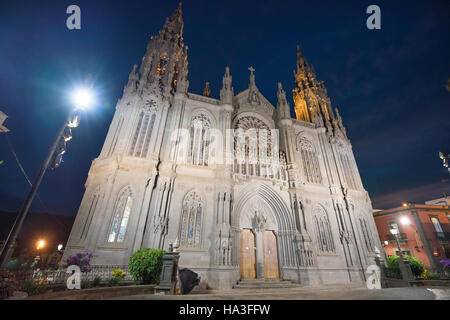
x=446, y=263
x=83, y=260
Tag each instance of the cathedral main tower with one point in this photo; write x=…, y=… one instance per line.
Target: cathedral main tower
x=246, y=190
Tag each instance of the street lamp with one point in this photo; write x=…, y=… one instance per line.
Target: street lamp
x=81, y=99
x=40, y=244
x=403, y=263
x=60, y=246
x=404, y=220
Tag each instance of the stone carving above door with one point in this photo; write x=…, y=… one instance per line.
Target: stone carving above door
x=257, y=215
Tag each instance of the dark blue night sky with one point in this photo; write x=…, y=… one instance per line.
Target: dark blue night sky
x=388, y=84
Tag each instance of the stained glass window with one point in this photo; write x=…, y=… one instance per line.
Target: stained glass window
x=191, y=221
x=121, y=217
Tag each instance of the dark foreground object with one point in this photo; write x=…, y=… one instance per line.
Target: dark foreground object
x=189, y=279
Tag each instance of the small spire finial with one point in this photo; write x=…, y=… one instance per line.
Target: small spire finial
x=207, y=90
x=252, y=76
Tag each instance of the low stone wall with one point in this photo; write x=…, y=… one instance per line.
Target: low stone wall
x=96, y=293
x=437, y=283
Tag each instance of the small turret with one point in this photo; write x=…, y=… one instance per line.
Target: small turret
x=283, y=108
x=227, y=91
x=207, y=90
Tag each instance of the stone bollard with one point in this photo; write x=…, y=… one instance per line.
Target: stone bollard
x=168, y=280
x=405, y=269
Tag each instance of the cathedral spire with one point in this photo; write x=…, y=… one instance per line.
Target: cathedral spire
x=310, y=96
x=174, y=24
x=165, y=61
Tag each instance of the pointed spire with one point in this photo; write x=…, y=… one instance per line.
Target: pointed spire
x=133, y=79
x=163, y=70
x=252, y=77
x=174, y=24
x=253, y=95
x=227, y=92
x=282, y=105
x=301, y=61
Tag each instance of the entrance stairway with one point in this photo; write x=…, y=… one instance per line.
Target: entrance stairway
x=264, y=284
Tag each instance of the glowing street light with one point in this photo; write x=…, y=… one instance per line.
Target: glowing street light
x=60, y=246
x=404, y=220
x=82, y=98
x=40, y=244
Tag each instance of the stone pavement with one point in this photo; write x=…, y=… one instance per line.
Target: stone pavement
x=310, y=293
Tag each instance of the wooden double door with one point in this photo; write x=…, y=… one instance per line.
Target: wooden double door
x=249, y=256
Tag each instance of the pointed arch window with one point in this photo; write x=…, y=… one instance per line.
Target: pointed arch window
x=347, y=168
x=121, y=216
x=191, y=221
x=90, y=214
x=310, y=160
x=323, y=231
x=143, y=133
x=366, y=234
x=200, y=140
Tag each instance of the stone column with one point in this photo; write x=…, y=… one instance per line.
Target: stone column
x=259, y=254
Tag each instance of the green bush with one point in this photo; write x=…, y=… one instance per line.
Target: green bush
x=34, y=286
x=145, y=265
x=433, y=276
x=113, y=281
x=417, y=266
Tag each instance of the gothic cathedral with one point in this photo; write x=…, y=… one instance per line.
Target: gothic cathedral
x=290, y=206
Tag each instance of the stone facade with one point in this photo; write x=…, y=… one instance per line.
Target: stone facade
x=154, y=184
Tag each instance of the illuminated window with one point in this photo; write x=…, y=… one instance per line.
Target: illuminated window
x=121, y=217
x=200, y=140
x=436, y=224
x=191, y=221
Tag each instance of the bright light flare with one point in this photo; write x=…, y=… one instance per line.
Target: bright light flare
x=60, y=246
x=82, y=98
x=404, y=220
x=40, y=244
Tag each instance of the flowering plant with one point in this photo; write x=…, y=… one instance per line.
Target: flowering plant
x=83, y=260
x=445, y=263
x=119, y=273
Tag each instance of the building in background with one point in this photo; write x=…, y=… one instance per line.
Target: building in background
x=424, y=232
x=444, y=201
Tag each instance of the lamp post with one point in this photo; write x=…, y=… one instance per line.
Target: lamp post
x=403, y=263
x=82, y=99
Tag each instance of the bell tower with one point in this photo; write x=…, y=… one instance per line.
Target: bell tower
x=311, y=100
x=164, y=64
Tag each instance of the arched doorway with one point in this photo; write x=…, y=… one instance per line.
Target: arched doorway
x=258, y=241
x=270, y=255
x=248, y=254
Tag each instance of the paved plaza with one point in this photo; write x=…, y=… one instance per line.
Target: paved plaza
x=303, y=293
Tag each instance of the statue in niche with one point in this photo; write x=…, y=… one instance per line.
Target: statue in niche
x=259, y=221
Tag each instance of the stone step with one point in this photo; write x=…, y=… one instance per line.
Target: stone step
x=264, y=284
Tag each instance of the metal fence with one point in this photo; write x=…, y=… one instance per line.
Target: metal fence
x=393, y=275
x=60, y=276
